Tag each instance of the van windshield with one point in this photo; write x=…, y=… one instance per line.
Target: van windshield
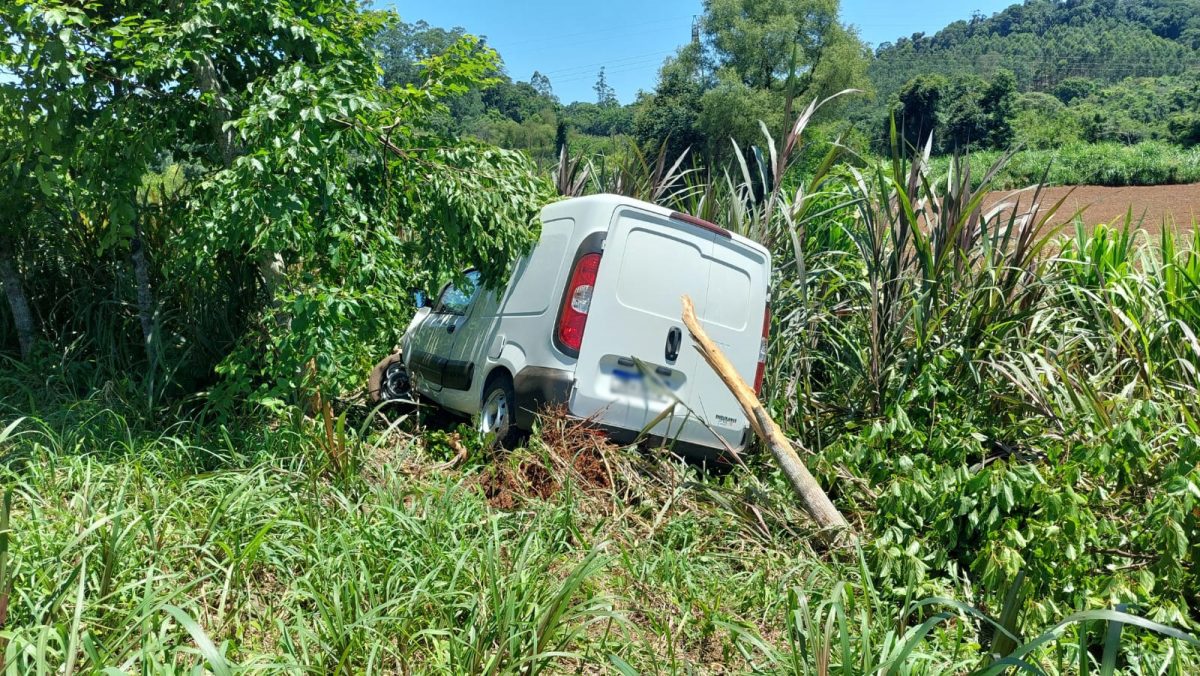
x=455, y=300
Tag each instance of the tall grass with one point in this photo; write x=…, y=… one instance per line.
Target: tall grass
x=136, y=560
x=1106, y=164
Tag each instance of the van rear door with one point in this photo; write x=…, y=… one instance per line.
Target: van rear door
x=650, y=261
x=739, y=277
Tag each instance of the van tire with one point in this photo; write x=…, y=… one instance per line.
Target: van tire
x=389, y=380
x=498, y=410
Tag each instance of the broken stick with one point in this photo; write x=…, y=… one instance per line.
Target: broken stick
x=812, y=498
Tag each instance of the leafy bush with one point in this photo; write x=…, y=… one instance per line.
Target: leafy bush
x=1185, y=129
x=1149, y=163
x=257, y=244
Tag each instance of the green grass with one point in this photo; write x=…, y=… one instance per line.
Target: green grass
x=241, y=552
x=1107, y=164
x=155, y=552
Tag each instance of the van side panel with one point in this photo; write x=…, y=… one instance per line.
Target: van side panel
x=536, y=273
x=518, y=314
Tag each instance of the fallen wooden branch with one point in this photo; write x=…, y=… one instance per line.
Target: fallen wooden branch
x=812, y=498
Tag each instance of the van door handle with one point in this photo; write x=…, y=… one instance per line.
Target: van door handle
x=674, y=341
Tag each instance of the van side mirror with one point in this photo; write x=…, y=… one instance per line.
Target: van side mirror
x=420, y=299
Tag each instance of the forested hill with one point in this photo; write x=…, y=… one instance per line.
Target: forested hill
x=1044, y=42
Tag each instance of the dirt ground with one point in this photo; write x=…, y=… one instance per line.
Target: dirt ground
x=1181, y=203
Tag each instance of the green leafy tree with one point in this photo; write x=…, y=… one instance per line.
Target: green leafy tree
x=734, y=112
x=961, y=113
x=606, y=96
x=404, y=47
x=999, y=104
x=756, y=58
x=17, y=191
x=964, y=115
x=541, y=84
x=596, y=120
x=667, y=120
x=1042, y=121
x=767, y=42
x=273, y=200
x=1068, y=48
x=917, y=107
x=1074, y=88
x=1185, y=129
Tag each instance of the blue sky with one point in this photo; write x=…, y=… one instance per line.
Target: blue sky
x=570, y=41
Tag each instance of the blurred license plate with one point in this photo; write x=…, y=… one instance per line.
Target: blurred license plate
x=633, y=384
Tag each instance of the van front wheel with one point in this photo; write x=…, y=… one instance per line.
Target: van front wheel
x=389, y=381
x=498, y=415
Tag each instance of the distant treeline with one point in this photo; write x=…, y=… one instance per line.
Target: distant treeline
x=1040, y=74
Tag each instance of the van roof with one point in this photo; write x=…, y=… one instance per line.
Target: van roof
x=610, y=202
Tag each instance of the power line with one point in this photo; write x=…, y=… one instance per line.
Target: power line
x=606, y=63
x=622, y=28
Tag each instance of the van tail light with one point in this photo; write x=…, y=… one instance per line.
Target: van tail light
x=762, y=352
x=572, y=319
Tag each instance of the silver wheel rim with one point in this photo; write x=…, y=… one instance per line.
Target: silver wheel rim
x=494, y=419
x=395, y=382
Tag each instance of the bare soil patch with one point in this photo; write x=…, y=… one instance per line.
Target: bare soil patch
x=1151, y=205
x=573, y=448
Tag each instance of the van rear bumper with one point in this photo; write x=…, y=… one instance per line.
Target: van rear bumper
x=691, y=451
x=537, y=387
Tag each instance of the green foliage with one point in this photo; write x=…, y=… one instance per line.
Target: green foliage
x=232, y=550
x=732, y=112
x=756, y=59
x=961, y=113
x=994, y=409
x=522, y=116
x=1185, y=129
x=667, y=120
x=918, y=104
x=1122, y=68
x=1108, y=164
x=995, y=404
x=1042, y=122
x=275, y=218
x=1052, y=45
x=766, y=42
x=1009, y=417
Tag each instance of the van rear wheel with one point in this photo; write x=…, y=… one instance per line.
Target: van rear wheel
x=498, y=414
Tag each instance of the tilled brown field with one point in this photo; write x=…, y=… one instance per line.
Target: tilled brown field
x=1152, y=205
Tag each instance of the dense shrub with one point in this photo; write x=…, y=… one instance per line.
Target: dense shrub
x=1149, y=163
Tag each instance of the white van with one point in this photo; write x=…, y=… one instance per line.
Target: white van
x=591, y=320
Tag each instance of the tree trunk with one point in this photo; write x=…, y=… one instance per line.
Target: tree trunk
x=812, y=498
x=18, y=303
x=145, y=296
x=206, y=73
x=270, y=265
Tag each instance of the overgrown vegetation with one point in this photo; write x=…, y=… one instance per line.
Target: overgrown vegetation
x=1086, y=71
x=1109, y=164
x=1004, y=404
x=1040, y=75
